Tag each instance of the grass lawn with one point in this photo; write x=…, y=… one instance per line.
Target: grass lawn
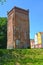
x=21, y=57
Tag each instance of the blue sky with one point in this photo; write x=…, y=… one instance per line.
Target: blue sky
x=36, y=12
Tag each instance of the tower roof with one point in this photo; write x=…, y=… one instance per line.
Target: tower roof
x=19, y=9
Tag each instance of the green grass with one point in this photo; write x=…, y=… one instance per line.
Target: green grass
x=21, y=57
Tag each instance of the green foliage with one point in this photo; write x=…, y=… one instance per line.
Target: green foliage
x=3, y=32
x=2, y=1
x=21, y=57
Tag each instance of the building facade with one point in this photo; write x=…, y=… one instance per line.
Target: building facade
x=39, y=39
x=31, y=43
x=36, y=39
x=18, y=29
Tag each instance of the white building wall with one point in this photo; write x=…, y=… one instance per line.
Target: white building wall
x=36, y=39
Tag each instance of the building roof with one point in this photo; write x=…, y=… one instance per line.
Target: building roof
x=31, y=39
x=19, y=9
x=40, y=32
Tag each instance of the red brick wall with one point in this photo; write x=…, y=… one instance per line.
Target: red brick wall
x=10, y=31
x=18, y=22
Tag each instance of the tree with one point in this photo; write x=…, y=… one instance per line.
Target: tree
x=2, y=1
x=3, y=32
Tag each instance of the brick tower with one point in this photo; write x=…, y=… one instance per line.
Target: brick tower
x=18, y=29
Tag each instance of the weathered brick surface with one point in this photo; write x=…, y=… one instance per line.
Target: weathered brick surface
x=18, y=28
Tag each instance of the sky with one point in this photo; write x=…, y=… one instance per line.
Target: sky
x=35, y=13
